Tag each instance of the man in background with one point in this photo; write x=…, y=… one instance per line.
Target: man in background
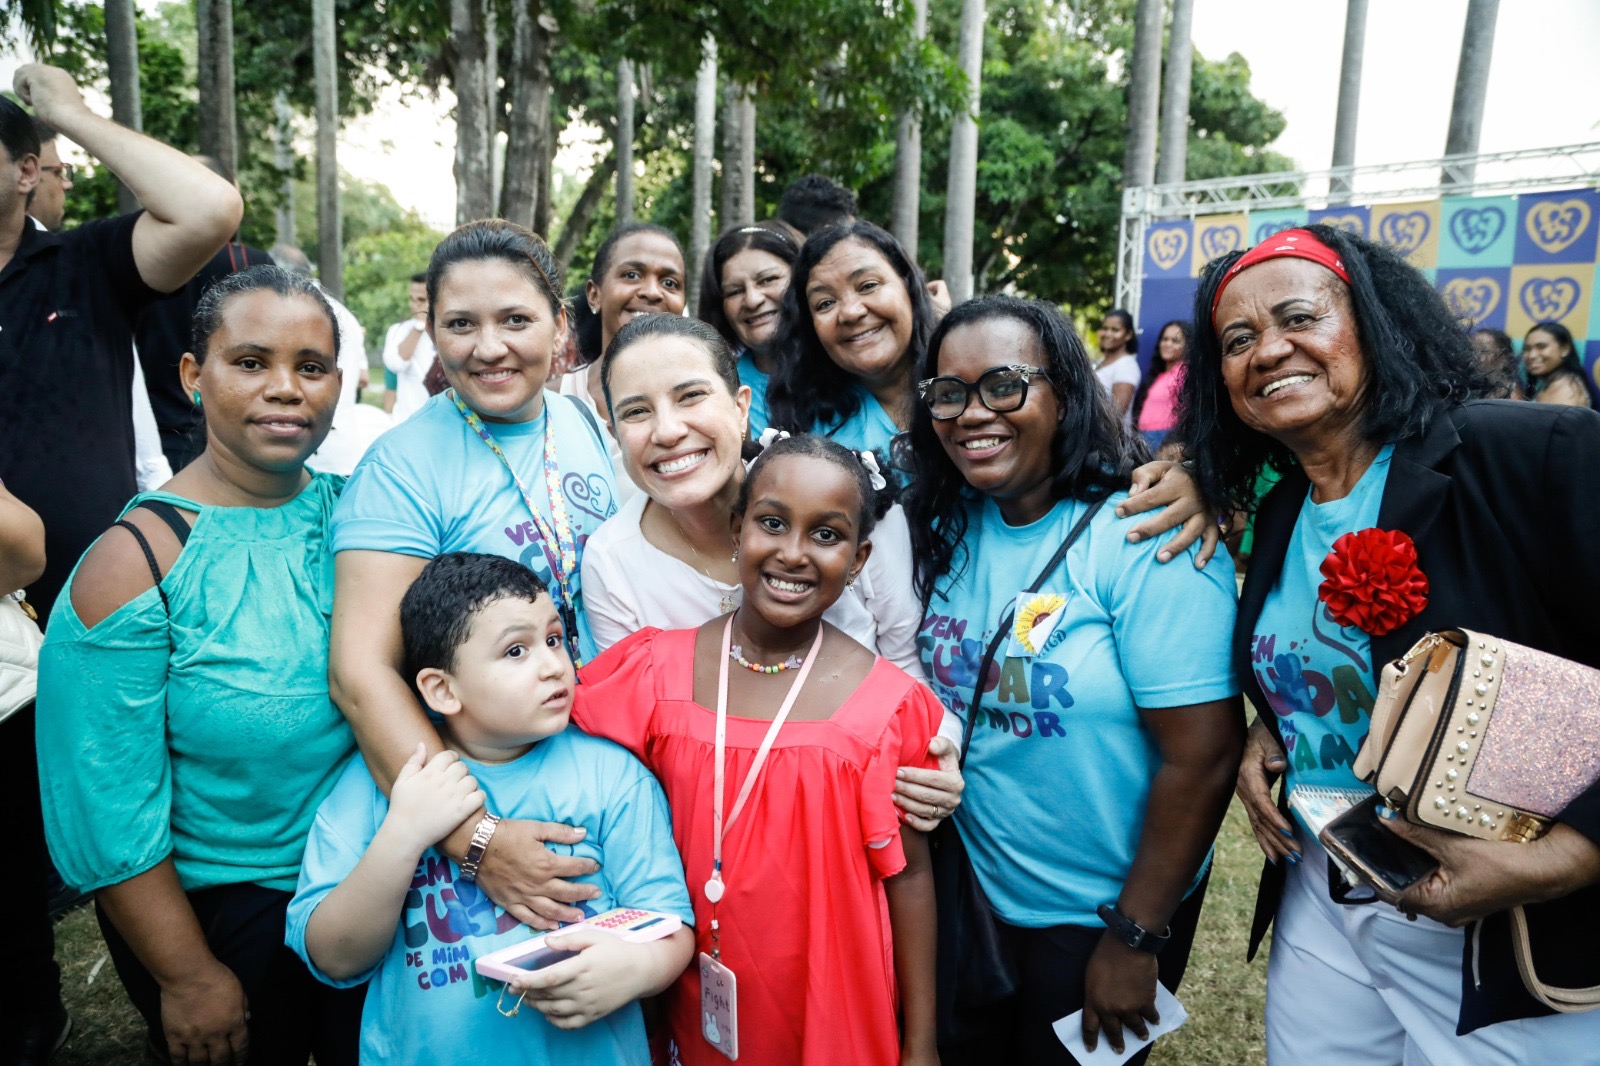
x=68, y=302
x=408, y=354
x=48, y=207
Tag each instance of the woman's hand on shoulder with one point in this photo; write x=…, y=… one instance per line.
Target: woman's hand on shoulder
x=1262, y=764
x=1166, y=484
x=928, y=797
x=115, y=571
x=1476, y=878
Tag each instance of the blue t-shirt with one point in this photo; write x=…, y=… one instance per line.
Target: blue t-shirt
x=869, y=429
x=757, y=379
x=426, y=1001
x=1060, y=766
x=1315, y=674
x=431, y=485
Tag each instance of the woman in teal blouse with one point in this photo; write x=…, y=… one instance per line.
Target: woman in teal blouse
x=185, y=732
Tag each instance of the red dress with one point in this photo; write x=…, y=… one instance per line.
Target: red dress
x=805, y=923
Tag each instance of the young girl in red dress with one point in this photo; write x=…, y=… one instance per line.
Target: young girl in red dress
x=776, y=738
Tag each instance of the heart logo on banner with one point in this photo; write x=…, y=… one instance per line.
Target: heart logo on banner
x=1554, y=225
x=1220, y=240
x=1550, y=299
x=1348, y=223
x=1475, y=228
x=1268, y=229
x=1167, y=246
x=1404, y=232
x=1472, y=298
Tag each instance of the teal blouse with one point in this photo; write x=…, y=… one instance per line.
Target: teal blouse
x=210, y=738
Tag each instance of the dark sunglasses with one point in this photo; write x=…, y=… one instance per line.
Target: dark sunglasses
x=1000, y=389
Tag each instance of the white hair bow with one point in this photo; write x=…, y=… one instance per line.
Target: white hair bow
x=769, y=435
x=874, y=475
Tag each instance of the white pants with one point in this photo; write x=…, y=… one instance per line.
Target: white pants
x=1364, y=985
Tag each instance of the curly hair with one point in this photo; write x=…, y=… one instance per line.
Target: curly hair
x=808, y=389
x=1419, y=363
x=1092, y=455
x=875, y=503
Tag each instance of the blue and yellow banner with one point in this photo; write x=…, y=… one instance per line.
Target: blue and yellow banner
x=1502, y=262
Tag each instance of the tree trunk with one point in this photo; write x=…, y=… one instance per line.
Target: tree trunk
x=283, y=159
x=908, y=157
x=576, y=226
x=746, y=213
x=1144, y=92
x=218, y=127
x=472, y=147
x=542, y=207
x=624, y=144
x=705, y=142
x=729, y=201
x=491, y=98
x=961, y=202
x=529, y=123
x=122, y=63
x=1472, y=85
x=330, y=226
x=1174, y=157
x=1344, y=123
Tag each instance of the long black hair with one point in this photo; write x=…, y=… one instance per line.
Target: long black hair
x=769, y=237
x=808, y=388
x=1131, y=346
x=1419, y=362
x=1571, y=363
x=1092, y=454
x=1159, y=366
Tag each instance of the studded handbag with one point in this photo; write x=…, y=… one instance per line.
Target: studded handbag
x=1485, y=737
x=1481, y=736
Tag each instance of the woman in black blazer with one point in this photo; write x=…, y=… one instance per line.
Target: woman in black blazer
x=1330, y=360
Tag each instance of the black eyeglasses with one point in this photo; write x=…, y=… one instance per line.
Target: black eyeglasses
x=1000, y=388
x=64, y=169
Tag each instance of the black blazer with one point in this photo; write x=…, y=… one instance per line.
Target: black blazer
x=1502, y=499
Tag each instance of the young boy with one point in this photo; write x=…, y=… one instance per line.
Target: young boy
x=483, y=643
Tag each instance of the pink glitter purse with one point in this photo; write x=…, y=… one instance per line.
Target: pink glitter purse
x=1483, y=737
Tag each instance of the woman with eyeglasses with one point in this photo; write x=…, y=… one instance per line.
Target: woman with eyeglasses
x=1101, y=708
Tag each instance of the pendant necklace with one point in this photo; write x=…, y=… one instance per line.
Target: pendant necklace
x=725, y=604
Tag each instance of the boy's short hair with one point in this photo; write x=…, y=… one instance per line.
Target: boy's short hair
x=437, y=610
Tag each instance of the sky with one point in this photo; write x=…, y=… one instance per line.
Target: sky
x=1544, y=88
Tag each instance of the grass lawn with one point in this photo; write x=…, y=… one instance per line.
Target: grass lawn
x=1223, y=994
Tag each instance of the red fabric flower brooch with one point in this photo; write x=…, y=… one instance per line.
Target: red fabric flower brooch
x=1373, y=582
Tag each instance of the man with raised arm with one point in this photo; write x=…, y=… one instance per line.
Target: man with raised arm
x=67, y=306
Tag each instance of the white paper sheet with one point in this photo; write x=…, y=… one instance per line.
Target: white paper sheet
x=1069, y=1031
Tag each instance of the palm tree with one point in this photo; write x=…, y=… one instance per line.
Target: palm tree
x=218, y=127
x=330, y=227
x=37, y=20
x=1472, y=82
x=705, y=143
x=961, y=200
x=122, y=65
x=908, y=155
x=624, y=142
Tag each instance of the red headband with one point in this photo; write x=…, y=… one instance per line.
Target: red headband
x=1290, y=244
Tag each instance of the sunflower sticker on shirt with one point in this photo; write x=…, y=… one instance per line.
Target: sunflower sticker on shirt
x=1035, y=624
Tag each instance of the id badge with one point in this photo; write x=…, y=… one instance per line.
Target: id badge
x=719, y=1006
x=1035, y=626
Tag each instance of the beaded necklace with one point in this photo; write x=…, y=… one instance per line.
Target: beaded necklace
x=556, y=540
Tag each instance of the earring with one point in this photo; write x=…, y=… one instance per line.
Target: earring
x=850, y=582
x=197, y=397
x=736, y=556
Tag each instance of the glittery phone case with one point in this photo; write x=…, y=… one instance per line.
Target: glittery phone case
x=1482, y=736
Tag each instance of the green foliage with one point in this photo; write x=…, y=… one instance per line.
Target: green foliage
x=31, y=20
x=377, y=272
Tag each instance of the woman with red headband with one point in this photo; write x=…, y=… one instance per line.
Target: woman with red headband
x=1328, y=359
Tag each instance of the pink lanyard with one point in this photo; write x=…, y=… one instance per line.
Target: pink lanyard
x=714, y=885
